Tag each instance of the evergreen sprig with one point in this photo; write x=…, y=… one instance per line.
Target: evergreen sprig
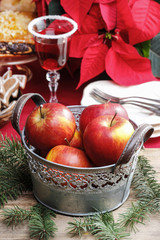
x=80, y=226
x=41, y=225
x=14, y=172
x=105, y=228
x=147, y=192
x=101, y=225
x=11, y=152
x=15, y=216
x=40, y=220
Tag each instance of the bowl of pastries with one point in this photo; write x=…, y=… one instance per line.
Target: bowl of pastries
x=16, y=42
x=11, y=86
x=16, y=47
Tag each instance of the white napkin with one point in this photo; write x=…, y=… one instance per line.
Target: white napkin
x=136, y=114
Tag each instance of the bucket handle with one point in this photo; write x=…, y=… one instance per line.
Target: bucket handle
x=16, y=113
x=141, y=134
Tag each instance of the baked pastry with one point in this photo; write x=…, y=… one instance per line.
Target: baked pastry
x=18, y=5
x=10, y=85
x=15, y=38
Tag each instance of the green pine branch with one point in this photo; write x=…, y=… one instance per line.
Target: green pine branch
x=11, y=152
x=14, y=172
x=41, y=225
x=147, y=192
x=101, y=225
x=39, y=219
x=15, y=216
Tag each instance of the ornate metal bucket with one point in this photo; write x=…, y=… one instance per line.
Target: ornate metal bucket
x=81, y=191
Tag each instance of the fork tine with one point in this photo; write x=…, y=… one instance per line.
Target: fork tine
x=150, y=107
x=106, y=95
x=98, y=98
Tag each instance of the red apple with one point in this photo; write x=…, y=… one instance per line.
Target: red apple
x=105, y=138
x=76, y=141
x=69, y=156
x=93, y=111
x=48, y=125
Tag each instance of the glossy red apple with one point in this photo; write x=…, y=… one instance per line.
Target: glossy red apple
x=76, y=141
x=105, y=138
x=93, y=111
x=69, y=156
x=48, y=125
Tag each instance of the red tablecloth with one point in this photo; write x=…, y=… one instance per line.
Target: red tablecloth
x=67, y=95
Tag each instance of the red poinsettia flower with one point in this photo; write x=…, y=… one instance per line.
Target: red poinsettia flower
x=108, y=31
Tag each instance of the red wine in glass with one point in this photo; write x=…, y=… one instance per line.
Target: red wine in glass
x=52, y=35
x=52, y=56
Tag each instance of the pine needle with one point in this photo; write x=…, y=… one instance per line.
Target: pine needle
x=15, y=216
x=147, y=192
x=40, y=220
x=41, y=224
x=105, y=228
x=14, y=172
x=101, y=225
x=80, y=226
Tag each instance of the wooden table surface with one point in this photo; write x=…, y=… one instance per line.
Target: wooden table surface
x=149, y=231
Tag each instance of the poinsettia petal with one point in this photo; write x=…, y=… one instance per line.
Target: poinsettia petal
x=78, y=44
x=125, y=66
x=124, y=15
x=93, y=62
x=88, y=30
x=48, y=1
x=108, y=11
x=77, y=9
x=146, y=15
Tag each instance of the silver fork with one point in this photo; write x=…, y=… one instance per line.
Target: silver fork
x=102, y=97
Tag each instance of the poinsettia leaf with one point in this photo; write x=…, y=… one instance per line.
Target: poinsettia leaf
x=93, y=62
x=125, y=66
x=108, y=11
x=124, y=15
x=77, y=9
x=79, y=43
x=80, y=39
x=146, y=14
x=95, y=14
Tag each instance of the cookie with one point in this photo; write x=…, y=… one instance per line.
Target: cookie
x=22, y=80
x=10, y=85
x=7, y=110
x=7, y=74
x=2, y=90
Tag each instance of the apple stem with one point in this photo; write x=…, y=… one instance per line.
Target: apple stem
x=113, y=119
x=42, y=115
x=67, y=141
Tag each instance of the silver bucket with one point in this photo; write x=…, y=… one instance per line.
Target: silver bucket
x=81, y=191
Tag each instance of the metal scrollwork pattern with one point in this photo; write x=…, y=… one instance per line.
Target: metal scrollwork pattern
x=90, y=180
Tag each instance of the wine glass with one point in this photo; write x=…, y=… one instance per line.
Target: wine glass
x=52, y=36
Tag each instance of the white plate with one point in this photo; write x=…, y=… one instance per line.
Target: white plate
x=136, y=114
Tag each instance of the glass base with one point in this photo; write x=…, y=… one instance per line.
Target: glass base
x=52, y=78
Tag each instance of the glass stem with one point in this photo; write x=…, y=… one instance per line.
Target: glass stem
x=53, y=78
